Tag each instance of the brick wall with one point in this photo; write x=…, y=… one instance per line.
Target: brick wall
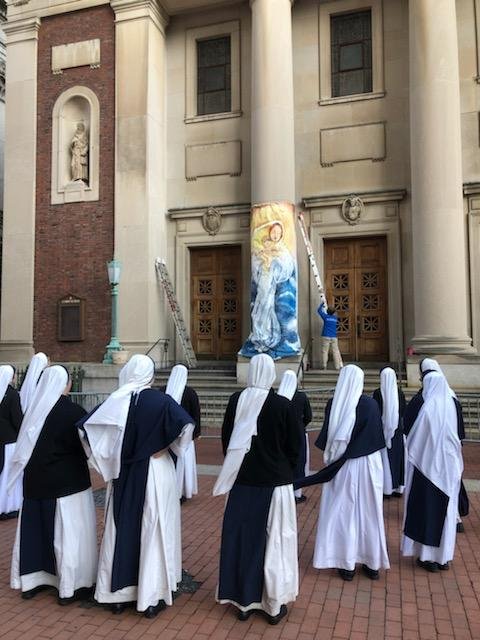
x=74, y=241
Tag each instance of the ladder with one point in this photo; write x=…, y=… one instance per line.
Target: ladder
x=311, y=256
x=177, y=315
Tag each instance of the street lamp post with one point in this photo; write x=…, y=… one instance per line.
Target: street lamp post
x=114, y=269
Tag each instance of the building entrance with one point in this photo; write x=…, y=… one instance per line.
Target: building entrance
x=356, y=284
x=216, y=297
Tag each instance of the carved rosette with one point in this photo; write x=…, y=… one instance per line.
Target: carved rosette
x=212, y=221
x=352, y=209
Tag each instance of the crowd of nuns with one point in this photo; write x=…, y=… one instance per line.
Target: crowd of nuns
x=141, y=442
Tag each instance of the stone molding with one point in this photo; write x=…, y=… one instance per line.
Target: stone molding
x=21, y=30
x=127, y=10
x=198, y=212
x=367, y=197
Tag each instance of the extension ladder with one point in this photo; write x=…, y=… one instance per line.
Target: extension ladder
x=177, y=315
x=311, y=256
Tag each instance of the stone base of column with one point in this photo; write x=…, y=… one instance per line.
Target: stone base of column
x=430, y=345
x=19, y=352
x=462, y=372
x=293, y=363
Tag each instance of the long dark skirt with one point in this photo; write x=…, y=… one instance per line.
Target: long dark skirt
x=244, y=539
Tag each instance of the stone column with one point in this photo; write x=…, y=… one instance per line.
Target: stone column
x=140, y=175
x=274, y=263
x=272, y=110
x=438, y=226
x=19, y=198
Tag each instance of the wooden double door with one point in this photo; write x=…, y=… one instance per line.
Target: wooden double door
x=216, y=302
x=356, y=285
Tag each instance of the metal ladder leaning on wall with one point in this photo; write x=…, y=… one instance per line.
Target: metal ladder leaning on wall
x=177, y=315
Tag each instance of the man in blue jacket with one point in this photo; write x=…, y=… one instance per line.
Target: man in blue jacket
x=329, y=340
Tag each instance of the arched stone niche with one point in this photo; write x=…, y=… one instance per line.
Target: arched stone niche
x=75, y=146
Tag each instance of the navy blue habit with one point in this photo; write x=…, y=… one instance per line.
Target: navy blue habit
x=271, y=462
x=367, y=437
x=396, y=453
x=154, y=422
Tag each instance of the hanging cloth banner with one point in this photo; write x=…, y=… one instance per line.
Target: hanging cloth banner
x=274, y=282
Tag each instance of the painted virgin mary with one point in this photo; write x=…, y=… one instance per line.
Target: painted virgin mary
x=272, y=264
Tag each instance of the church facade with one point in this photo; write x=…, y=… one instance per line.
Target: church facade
x=138, y=129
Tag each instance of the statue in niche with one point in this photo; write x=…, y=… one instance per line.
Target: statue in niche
x=79, y=149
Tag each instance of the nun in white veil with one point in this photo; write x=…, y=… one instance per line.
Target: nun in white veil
x=129, y=437
x=29, y=384
x=391, y=402
x=56, y=542
x=10, y=420
x=258, y=557
x=186, y=463
x=351, y=528
x=303, y=413
x=434, y=472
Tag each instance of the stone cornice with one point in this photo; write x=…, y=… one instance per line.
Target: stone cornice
x=471, y=188
x=368, y=197
x=197, y=212
x=126, y=10
x=21, y=30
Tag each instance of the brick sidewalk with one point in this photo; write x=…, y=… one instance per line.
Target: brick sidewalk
x=405, y=603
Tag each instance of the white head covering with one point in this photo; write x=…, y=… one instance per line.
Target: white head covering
x=390, y=411
x=343, y=412
x=177, y=382
x=105, y=428
x=6, y=376
x=433, y=445
x=46, y=395
x=288, y=385
x=35, y=368
x=429, y=364
x=261, y=376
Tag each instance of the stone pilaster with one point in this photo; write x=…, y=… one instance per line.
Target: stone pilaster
x=438, y=226
x=140, y=175
x=19, y=199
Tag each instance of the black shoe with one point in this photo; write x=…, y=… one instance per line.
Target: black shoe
x=427, y=565
x=183, y=499
x=245, y=615
x=460, y=527
x=28, y=595
x=118, y=607
x=84, y=593
x=443, y=567
x=397, y=494
x=386, y=496
x=300, y=499
x=276, y=619
x=370, y=573
x=346, y=575
x=151, y=612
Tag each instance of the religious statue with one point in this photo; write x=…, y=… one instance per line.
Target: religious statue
x=79, y=149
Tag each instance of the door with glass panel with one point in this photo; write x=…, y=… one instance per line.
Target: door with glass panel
x=356, y=284
x=216, y=302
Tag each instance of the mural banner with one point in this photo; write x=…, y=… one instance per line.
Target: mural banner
x=274, y=282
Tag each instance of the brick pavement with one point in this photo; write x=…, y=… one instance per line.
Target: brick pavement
x=406, y=603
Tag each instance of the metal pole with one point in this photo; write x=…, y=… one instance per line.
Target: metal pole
x=114, y=344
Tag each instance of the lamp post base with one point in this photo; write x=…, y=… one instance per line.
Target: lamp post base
x=113, y=345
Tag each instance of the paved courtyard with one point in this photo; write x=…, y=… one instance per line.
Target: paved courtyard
x=405, y=603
